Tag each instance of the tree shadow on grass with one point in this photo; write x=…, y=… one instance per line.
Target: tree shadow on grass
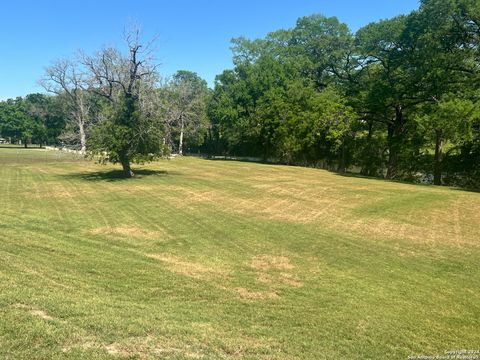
x=20, y=147
x=247, y=160
x=405, y=182
x=345, y=174
x=117, y=175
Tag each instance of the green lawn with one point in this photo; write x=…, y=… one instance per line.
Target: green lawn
x=221, y=259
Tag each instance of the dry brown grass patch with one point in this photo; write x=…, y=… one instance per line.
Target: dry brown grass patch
x=147, y=347
x=41, y=313
x=286, y=195
x=81, y=345
x=255, y=295
x=188, y=268
x=271, y=262
x=57, y=193
x=137, y=188
x=130, y=231
x=290, y=280
x=118, y=350
x=282, y=279
x=265, y=278
x=34, y=311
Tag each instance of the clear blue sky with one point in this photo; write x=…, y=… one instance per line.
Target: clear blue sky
x=194, y=35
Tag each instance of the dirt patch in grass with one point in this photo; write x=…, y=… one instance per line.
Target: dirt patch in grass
x=34, y=311
x=41, y=313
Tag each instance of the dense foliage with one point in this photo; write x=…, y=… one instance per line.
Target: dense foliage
x=397, y=99
x=36, y=118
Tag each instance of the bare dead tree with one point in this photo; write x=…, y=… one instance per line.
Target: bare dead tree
x=115, y=76
x=65, y=77
x=186, y=104
x=178, y=112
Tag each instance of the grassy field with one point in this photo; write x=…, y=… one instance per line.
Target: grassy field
x=202, y=259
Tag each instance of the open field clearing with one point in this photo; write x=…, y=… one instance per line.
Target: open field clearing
x=202, y=259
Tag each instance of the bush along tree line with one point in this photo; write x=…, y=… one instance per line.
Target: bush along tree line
x=397, y=99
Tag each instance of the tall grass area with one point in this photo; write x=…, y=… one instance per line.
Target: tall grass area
x=216, y=259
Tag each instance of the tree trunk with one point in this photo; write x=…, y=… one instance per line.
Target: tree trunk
x=209, y=142
x=367, y=165
x=395, y=132
x=83, y=138
x=127, y=171
x=392, y=162
x=341, y=164
x=180, y=143
x=437, y=172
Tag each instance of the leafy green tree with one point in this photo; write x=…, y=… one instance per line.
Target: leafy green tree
x=387, y=85
x=445, y=65
x=395, y=90
x=17, y=124
x=384, y=99
x=55, y=119
x=271, y=102
x=323, y=46
x=448, y=121
x=237, y=101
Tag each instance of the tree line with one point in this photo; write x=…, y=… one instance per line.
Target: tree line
x=396, y=99
x=111, y=106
